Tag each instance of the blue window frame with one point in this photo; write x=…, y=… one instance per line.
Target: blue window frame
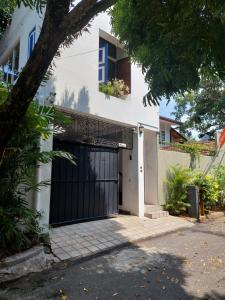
x=103, y=63
x=31, y=41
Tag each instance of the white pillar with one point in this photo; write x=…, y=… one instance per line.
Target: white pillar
x=151, y=167
x=42, y=197
x=141, y=179
x=133, y=177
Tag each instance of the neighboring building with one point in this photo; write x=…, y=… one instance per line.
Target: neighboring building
x=169, y=132
x=114, y=139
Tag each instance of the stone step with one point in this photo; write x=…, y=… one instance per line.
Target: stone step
x=157, y=214
x=151, y=208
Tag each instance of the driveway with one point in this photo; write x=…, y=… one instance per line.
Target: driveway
x=85, y=239
x=187, y=264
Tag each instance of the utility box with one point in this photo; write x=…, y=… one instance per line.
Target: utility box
x=193, y=198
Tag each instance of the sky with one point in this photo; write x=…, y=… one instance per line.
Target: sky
x=166, y=110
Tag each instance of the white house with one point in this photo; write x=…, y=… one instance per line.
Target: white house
x=114, y=139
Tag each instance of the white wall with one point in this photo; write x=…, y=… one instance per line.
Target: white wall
x=166, y=159
x=23, y=21
x=75, y=78
x=42, y=197
x=151, y=167
x=75, y=82
x=133, y=177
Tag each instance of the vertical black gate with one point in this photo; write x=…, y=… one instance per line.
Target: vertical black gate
x=86, y=191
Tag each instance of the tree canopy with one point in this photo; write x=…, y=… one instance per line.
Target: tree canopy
x=6, y=9
x=176, y=41
x=204, y=108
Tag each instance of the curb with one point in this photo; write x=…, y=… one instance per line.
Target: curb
x=21, y=264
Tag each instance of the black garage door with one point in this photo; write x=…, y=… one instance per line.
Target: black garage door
x=86, y=191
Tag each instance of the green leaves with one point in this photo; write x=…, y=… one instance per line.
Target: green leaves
x=175, y=41
x=37, y=4
x=47, y=156
x=7, y=8
x=178, y=180
x=18, y=224
x=203, y=108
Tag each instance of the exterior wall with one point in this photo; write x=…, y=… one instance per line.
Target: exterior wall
x=23, y=21
x=151, y=167
x=133, y=177
x=75, y=83
x=75, y=79
x=42, y=198
x=166, y=159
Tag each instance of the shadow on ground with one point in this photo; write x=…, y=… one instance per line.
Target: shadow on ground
x=130, y=273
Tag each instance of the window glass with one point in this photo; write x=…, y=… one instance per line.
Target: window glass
x=112, y=50
x=101, y=55
x=101, y=74
x=111, y=70
x=11, y=67
x=31, y=42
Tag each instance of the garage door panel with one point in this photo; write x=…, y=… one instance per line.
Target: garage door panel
x=88, y=190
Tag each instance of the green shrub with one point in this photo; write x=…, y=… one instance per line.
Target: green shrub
x=209, y=189
x=219, y=174
x=19, y=227
x=177, y=181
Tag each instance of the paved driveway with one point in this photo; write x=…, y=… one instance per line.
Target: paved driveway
x=85, y=239
x=188, y=264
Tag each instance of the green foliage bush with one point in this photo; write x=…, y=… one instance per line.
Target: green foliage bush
x=212, y=188
x=209, y=189
x=219, y=175
x=177, y=181
x=19, y=227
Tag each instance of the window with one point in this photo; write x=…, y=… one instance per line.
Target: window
x=103, y=65
x=113, y=63
x=31, y=41
x=11, y=67
x=162, y=138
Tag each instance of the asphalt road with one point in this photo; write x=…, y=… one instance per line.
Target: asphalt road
x=188, y=264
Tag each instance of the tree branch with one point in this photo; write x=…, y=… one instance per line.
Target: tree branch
x=58, y=24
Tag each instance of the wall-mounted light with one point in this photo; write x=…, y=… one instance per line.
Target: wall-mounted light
x=141, y=129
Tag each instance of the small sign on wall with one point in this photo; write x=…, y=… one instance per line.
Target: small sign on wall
x=122, y=145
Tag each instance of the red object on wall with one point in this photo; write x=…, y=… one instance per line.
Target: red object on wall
x=222, y=138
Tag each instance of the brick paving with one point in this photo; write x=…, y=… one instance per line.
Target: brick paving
x=85, y=239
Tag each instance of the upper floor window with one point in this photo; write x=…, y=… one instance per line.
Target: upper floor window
x=113, y=64
x=10, y=68
x=31, y=41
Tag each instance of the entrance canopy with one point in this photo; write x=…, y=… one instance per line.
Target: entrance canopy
x=93, y=131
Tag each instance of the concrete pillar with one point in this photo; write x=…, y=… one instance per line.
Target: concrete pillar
x=141, y=178
x=133, y=177
x=42, y=196
x=151, y=167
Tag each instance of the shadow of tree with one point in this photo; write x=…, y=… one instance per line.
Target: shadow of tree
x=129, y=273
x=81, y=103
